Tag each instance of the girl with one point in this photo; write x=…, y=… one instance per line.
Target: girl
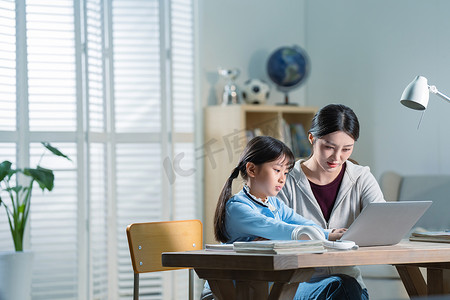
x=255, y=212
x=331, y=190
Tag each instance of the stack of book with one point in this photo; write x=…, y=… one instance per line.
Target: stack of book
x=293, y=135
x=280, y=246
x=300, y=144
x=219, y=247
x=431, y=236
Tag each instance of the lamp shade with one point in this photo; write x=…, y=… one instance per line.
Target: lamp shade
x=416, y=94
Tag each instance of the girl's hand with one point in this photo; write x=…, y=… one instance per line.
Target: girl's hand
x=336, y=234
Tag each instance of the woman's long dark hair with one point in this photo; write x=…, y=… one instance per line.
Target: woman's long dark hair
x=259, y=150
x=335, y=117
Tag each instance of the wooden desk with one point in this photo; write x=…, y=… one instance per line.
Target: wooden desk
x=252, y=272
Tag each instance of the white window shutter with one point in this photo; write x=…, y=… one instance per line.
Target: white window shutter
x=54, y=227
x=7, y=66
x=182, y=63
x=94, y=11
x=7, y=103
x=113, y=121
x=182, y=41
x=98, y=221
x=7, y=152
x=52, y=96
x=51, y=65
x=136, y=65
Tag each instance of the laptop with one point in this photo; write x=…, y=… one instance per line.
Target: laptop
x=385, y=223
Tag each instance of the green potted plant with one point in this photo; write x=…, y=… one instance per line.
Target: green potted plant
x=20, y=195
x=17, y=184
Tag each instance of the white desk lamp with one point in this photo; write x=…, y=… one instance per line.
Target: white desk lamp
x=416, y=94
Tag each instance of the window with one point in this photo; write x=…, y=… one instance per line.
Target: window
x=110, y=83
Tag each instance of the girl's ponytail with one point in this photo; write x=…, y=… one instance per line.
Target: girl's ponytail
x=219, y=217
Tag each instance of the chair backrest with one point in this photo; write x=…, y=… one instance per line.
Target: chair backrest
x=429, y=187
x=390, y=183
x=434, y=187
x=147, y=241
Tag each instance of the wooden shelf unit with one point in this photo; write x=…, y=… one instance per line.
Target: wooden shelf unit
x=225, y=139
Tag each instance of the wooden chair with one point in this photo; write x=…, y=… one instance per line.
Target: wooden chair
x=147, y=241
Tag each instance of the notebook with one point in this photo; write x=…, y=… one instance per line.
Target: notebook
x=280, y=246
x=431, y=236
x=385, y=223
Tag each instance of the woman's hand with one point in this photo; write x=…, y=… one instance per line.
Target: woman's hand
x=336, y=234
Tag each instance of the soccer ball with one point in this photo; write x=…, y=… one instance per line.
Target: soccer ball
x=255, y=91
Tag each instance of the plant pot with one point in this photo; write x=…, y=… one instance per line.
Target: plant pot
x=15, y=275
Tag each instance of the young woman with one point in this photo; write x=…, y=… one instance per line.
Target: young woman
x=330, y=190
x=255, y=212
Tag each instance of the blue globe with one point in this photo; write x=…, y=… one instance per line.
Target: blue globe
x=288, y=67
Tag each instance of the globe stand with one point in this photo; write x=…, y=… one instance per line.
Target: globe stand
x=286, y=101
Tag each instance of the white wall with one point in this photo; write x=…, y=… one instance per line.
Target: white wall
x=242, y=34
x=363, y=54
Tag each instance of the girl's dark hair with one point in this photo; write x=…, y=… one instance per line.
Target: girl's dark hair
x=259, y=150
x=335, y=117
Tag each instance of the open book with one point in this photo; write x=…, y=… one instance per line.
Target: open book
x=431, y=236
x=280, y=246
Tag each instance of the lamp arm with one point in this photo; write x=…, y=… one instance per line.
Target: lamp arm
x=434, y=90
